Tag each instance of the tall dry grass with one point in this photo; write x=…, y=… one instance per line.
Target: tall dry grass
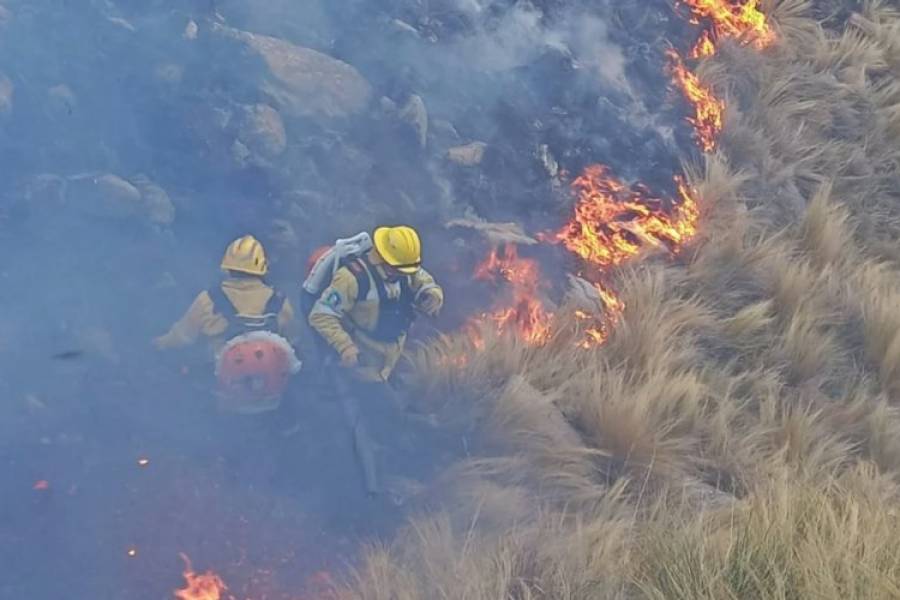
x=738, y=434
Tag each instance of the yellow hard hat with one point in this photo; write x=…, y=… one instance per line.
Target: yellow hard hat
x=399, y=247
x=246, y=255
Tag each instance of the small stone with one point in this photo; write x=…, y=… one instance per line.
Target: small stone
x=190, y=30
x=468, y=155
x=416, y=115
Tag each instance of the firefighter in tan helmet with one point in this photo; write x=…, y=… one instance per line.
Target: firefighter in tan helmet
x=250, y=328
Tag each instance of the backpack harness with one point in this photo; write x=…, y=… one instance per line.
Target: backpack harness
x=395, y=315
x=240, y=323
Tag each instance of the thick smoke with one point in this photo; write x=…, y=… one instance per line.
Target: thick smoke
x=138, y=137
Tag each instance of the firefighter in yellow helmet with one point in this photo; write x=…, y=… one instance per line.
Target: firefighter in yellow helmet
x=242, y=316
x=363, y=315
x=366, y=311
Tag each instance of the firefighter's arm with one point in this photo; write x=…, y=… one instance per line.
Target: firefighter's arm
x=328, y=312
x=429, y=296
x=199, y=318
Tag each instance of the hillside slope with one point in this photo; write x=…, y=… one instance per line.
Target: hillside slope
x=737, y=435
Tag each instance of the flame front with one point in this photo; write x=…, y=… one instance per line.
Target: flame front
x=205, y=586
x=613, y=222
x=743, y=22
x=525, y=314
x=708, y=109
x=704, y=47
x=739, y=21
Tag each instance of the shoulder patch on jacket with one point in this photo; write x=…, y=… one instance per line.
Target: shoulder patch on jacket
x=333, y=299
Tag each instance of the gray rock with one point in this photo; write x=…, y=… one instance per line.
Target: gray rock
x=468, y=155
x=111, y=197
x=190, y=30
x=416, y=115
x=262, y=131
x=6, y=95
x=302, y=82
x=106, y=196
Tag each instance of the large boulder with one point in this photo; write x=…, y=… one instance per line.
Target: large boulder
x=302, y=82
x=107, y=196
x=111, y=197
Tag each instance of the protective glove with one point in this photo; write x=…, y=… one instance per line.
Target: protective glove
x=431, y=303
x=350, y=357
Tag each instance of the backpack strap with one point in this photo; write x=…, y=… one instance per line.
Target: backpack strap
x=237, y=322
x=221, y=303
x=395, y=315
x=275, y=303
x=359, y=268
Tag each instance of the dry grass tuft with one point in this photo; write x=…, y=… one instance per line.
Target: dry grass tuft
x=789, y=540
x=738, y=434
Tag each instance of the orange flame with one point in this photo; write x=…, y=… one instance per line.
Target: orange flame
x=614, y=222
x=704, y=46
x=206, y=586
x=525, y=314
x=739, y=21
x=708, y=110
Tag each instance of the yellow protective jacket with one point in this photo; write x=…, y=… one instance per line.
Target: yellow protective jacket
x=248, y=295
x=345, y=320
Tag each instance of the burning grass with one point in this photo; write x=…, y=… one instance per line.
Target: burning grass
x=735, y=434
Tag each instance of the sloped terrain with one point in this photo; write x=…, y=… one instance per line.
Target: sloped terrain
x=708, y=410
x=737, y=435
